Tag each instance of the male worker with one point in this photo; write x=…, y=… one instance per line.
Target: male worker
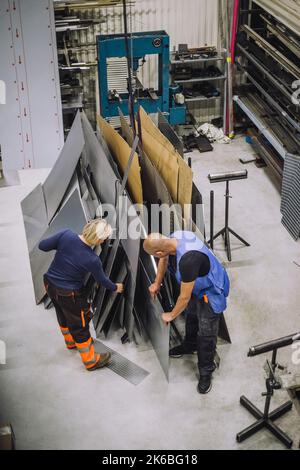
x=64, y=282
x=204, y=286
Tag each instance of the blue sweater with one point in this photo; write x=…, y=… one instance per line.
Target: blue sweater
x=72, y=261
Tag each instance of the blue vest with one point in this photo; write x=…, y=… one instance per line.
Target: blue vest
x=216, y=283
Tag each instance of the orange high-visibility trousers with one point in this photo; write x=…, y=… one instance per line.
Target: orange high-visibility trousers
x=69, y=340
x=87, y=352
x=73, y=315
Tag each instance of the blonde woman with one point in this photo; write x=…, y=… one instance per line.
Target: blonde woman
x=64, y=282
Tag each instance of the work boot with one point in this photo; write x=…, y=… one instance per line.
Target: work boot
x=102, y=361
x=179, y=351
x=204, y=385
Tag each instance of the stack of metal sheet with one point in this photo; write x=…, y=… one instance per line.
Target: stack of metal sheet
x=84, y=180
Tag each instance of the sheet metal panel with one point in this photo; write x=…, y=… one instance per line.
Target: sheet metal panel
x=58, y=179
x=34, y=216
x=71, y=216
x=104, y=177
x=150, y=314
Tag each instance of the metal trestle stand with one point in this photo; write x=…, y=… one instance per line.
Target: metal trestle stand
x=225, y=232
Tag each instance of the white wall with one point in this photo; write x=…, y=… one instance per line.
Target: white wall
x=31, y=131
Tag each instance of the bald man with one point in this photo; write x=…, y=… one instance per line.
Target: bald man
x=204, y=286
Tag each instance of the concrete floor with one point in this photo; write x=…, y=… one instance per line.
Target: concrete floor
x=53, y=403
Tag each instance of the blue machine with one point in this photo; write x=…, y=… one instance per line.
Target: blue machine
x=141, y=45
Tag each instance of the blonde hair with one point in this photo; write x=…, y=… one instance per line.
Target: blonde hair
x=95, y=230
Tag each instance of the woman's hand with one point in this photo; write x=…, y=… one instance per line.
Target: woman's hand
x=154, y=289
x=120, y=288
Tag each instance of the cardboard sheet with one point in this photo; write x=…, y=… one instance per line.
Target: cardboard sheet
x=121, y=152
x=177, y=172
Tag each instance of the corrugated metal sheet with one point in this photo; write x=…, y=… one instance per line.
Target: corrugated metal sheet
x=194, y=22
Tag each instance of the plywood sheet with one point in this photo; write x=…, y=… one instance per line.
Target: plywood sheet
x=121, y=152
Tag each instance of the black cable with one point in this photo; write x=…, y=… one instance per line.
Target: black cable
x=130, y=92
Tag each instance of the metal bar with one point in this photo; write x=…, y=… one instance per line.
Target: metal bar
x=283, y=113
x=272, y=51
x=261, y=126
x=130, y=160
x=128, y=57
x=275, y=81
x=282, y=36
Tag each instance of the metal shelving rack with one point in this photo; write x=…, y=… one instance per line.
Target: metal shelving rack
x=267, y=54
x=204, y=60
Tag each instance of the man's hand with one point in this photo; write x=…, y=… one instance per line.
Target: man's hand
x=120, y=288
x=154, y=289
x=167, y=317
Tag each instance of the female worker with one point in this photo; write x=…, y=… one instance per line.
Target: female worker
x=64, y=282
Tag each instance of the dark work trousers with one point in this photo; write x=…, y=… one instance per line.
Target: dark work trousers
x=201, y=333
x=74, y=315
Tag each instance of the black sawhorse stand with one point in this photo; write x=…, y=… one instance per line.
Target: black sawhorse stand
x=266, y=419
x=225, y=232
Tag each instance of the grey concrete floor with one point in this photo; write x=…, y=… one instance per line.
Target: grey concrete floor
x=53, y=403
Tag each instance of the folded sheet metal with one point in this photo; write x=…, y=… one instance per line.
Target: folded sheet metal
x=34, y=216
x=71, y=216
x=121, y=152
x=58, y=179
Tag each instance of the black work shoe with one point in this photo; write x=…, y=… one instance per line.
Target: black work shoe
x=103, y=360
x=179, y=351
x=204, y=385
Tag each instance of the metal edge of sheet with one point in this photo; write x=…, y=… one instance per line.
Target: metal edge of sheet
x=58, y=179
x=34, y=216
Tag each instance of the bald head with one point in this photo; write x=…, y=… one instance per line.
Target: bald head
x=160, y=246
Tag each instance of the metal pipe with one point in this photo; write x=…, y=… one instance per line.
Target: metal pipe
x=274, y=103
x=275, y=81
x=272, y=51
x=274, y=344
x=130, y=91
x=212, y=206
